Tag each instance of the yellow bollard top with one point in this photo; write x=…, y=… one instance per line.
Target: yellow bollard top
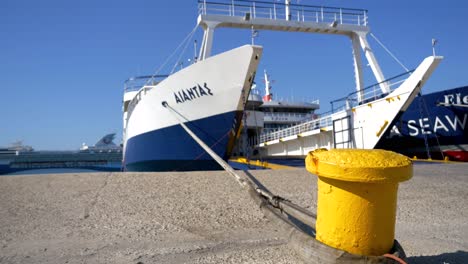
x=360, y=165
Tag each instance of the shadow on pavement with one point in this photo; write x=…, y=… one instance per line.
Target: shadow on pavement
x=459, y=257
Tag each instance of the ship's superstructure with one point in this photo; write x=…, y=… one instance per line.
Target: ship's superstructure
x=265, y=114
x=105, y=144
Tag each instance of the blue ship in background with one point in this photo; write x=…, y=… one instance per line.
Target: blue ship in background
x=434, y=126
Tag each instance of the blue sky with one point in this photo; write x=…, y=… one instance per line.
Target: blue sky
x=63, y=63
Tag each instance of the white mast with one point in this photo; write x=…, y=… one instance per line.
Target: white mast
x=268, y=95
x=288, y=11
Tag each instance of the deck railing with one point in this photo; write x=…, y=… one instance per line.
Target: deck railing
x=286, y=117
x=371, y=93
x=136, y=83
x=142, y=84
x=297, y=129
x=278, y=10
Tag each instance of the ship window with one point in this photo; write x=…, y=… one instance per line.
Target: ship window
x=126, y=105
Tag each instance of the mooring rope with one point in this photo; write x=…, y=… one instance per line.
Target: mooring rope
x=189, y=163
x=187, y=41
x=217, y=158
x=389, y=52
x=274, y=200
x=174, y=52
x=397, y=259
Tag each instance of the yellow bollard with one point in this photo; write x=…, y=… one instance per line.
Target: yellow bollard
x=357, y=194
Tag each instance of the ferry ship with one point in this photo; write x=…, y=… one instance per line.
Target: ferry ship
x=358, y=120
x=435, y=126
x=105, y=144
x=104, y=155
x=208, y=97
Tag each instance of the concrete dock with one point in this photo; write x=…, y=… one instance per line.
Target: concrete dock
x=204, y=217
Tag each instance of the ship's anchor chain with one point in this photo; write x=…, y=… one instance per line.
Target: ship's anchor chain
x=287, y=215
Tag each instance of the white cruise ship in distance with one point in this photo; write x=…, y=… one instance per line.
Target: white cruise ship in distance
x=105, y=155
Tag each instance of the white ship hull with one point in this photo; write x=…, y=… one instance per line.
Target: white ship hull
x=209, y=94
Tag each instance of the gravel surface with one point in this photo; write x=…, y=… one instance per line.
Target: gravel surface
x=204, y=217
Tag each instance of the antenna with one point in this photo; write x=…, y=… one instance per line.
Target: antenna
x=434, y=42
x=195, y=51
x=268, y=96
x=254, y=34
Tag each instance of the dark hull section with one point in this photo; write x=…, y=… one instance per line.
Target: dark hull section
x=434, y=126
x=172, y=149
x=174, y=165
x=6, y=169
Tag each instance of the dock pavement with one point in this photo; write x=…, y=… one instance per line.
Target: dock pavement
x=204, y=217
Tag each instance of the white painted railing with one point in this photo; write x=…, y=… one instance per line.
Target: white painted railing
x=297, y=129
x=142, y=84
x=136, y=83
x=369, y=94
x=278, y=10
x=286, y=117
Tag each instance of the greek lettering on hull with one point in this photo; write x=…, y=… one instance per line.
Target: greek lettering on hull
x=193, y=93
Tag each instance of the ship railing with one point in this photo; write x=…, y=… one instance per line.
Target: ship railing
x=282, y=116
x=292, y=101
x=136, y=83
x=310, y=125
x=142, y=84
x=278, y=11
x=369, y=94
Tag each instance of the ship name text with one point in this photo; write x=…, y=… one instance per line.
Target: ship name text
x=450, y=99
x=193, y=93
x=439, y=125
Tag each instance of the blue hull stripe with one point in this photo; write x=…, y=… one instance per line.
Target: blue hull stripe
x=171, y=148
